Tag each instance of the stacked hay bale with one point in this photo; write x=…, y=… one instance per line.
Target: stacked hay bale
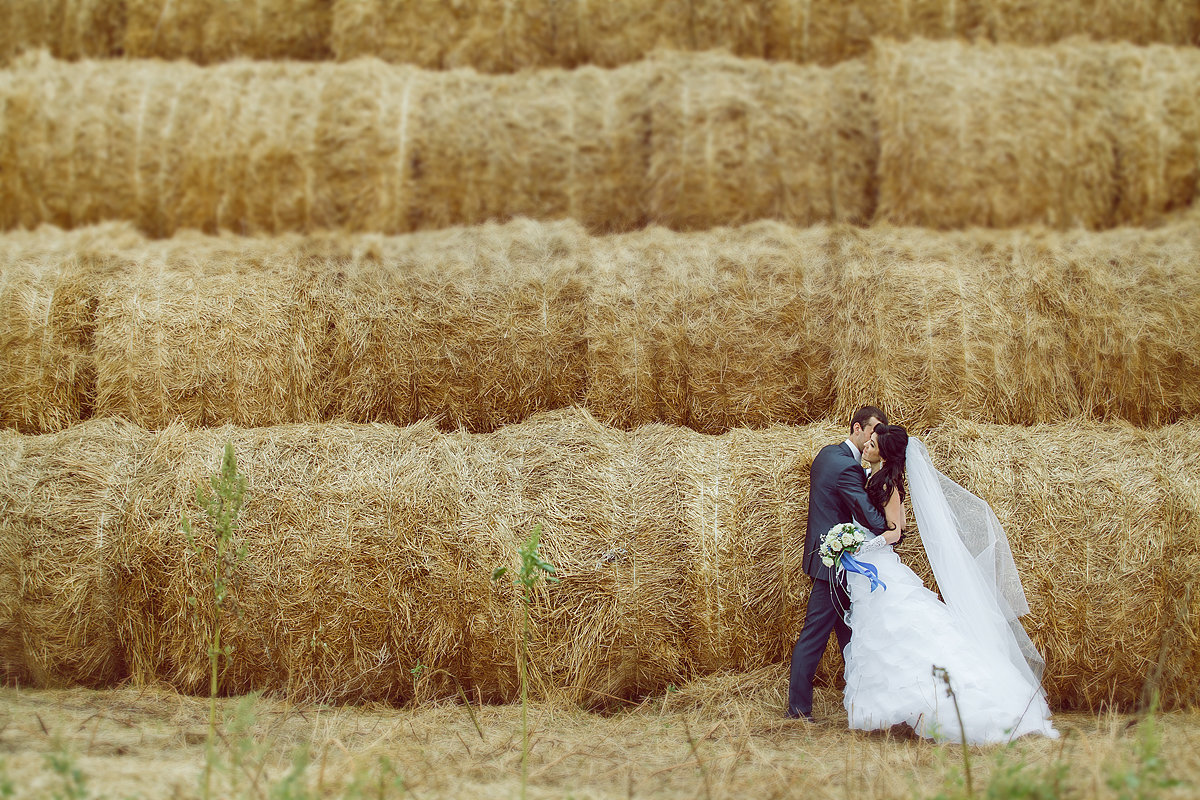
x=689, y=141
x=484, y=326
x=495, y=36
x=370, y=549
x=675, y=507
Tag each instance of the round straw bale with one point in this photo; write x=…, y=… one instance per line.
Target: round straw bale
x=1114, y=141
x=214, y=30
x=65, y=497
x=1023, y=22
x=350, y=569
x=495, y=36
x=1103, y=524
x=364, y=146
x=371, y=549
x=428, y=335
x=737, y=140
x=1157, y=122
x=47, y=326
x=227, y=342
x=68, y=28
x=1016, y=327
x=711, y=331
x=13, y=541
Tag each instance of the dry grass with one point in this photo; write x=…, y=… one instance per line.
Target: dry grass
x=1104, y=135
x=484, y=326
x=134, y=743
x=371, y=548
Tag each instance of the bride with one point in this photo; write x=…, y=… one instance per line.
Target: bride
x=908, y=646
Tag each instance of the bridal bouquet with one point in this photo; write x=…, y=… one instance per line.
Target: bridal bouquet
x=844, y=537
x=839, y=545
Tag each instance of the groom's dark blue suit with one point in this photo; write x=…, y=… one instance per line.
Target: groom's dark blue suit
x=836, y=494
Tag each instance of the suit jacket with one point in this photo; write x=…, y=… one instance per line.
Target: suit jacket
x=837, y=493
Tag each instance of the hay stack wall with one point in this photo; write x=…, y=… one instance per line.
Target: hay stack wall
x=485, y=326
x=496, y=36
x=1104, y=135
x=371, y=549
x=365, y=146
x=688, y=141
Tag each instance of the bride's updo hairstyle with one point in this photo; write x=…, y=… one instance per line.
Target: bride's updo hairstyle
x=893, y=442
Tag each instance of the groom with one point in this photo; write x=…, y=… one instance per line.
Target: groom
x=837, y=493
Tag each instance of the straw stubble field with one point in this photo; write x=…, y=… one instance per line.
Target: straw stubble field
x=718, y=738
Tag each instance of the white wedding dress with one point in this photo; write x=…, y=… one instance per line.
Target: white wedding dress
x=899, y=634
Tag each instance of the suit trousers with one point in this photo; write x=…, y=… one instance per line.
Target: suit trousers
x=826, y=605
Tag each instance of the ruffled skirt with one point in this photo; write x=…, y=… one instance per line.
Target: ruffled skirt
x=899, y=635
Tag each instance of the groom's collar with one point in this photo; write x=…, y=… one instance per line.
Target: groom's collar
x=854, y=451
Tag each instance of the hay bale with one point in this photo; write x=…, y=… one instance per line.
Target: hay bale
x=369, y=147
x=68, y=28
x=739, y=140
x=1104, y=526
x=371, y=549
x=1017, y=328
x=66, y=499
x=345, y=584
x=228, y=341
x=711, y=331
x=494, y=36
x=47, y=325
x=207, y=31
x=1114, y=141
x=728, y=328
x=13, y=545
x=473, y=328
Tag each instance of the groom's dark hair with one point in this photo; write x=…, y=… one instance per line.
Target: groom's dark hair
x=863, y=416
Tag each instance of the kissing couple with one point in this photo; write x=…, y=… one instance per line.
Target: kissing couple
x=905, y=648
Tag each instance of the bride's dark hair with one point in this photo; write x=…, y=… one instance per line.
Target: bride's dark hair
x=893, y=442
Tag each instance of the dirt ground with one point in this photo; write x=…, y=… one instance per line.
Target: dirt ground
x=719, y=738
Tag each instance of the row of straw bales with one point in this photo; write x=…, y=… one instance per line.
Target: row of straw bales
x=479, y=327
x=932, y=134
x=504, y=36
x=370, y=550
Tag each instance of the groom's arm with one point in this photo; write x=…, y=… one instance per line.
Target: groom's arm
x=850, y=487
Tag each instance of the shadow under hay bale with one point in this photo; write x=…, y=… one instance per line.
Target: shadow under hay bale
x=371, y=550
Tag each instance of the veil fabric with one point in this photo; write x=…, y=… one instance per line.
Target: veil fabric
x=972, y=562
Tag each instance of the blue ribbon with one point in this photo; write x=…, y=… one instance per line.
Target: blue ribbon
x=852, y=564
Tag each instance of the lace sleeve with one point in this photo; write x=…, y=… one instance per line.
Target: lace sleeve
x=878, y=543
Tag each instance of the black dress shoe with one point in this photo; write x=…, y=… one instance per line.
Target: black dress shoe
x=803, y=717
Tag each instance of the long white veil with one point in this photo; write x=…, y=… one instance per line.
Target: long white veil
x=972, y=562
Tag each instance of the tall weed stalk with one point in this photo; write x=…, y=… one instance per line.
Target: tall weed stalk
x=533, y=567
x=221, y=503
